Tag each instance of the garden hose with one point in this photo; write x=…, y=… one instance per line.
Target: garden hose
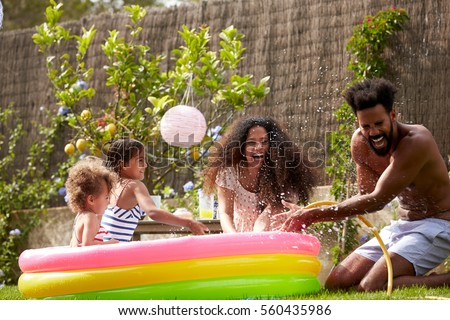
x=375, y=233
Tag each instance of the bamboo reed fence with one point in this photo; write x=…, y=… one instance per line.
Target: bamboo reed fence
x=300, y=44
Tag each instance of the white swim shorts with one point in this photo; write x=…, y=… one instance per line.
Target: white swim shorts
x=425, y=243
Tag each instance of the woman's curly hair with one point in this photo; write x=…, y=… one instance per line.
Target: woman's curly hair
x=285, y=174
x=85, y=179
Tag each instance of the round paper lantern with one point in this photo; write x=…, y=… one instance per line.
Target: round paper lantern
x=183, y=126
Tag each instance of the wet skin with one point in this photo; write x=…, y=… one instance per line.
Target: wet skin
x=392, y=159
x=412, y=169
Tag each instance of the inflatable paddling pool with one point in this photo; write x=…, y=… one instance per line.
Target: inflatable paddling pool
x=222, y=266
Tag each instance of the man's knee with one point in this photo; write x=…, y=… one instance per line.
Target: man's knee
x=339, y=278
x=368, y=284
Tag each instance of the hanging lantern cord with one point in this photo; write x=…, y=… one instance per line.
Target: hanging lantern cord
x=188, y=94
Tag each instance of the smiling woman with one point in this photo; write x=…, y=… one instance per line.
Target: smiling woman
x=253, y=168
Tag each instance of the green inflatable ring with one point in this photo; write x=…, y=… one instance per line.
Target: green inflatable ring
x=261, y=286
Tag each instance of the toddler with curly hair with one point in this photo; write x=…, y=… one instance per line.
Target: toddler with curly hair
x=88, y=188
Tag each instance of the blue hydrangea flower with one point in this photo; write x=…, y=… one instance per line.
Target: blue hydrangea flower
x=62, y=191
x=2, y=273
x=15, y=232
x=63, y=111
x=214, y=133
x=188, y=186
x=82, y=84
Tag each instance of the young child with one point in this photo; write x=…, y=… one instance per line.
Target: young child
x=130, y=199
x=88, y=187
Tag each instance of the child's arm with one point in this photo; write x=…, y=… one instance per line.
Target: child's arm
x=90, y=229
x=146, y=203
x=112, y=241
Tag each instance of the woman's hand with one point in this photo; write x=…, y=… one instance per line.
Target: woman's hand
x=263, y=223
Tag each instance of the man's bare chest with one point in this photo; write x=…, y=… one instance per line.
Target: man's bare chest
x=377, y=164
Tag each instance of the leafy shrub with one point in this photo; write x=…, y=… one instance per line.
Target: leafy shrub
x=26, y=191
x=366, y=47
x=143, y=91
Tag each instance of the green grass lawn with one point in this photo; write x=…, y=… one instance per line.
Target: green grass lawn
x=414, y=293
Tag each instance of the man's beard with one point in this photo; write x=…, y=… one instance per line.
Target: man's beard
x=384, y=151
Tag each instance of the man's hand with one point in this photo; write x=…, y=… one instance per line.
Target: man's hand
x=295, y=221
x=277, y=220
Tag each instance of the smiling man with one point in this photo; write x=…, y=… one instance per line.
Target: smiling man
x=392, y=159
